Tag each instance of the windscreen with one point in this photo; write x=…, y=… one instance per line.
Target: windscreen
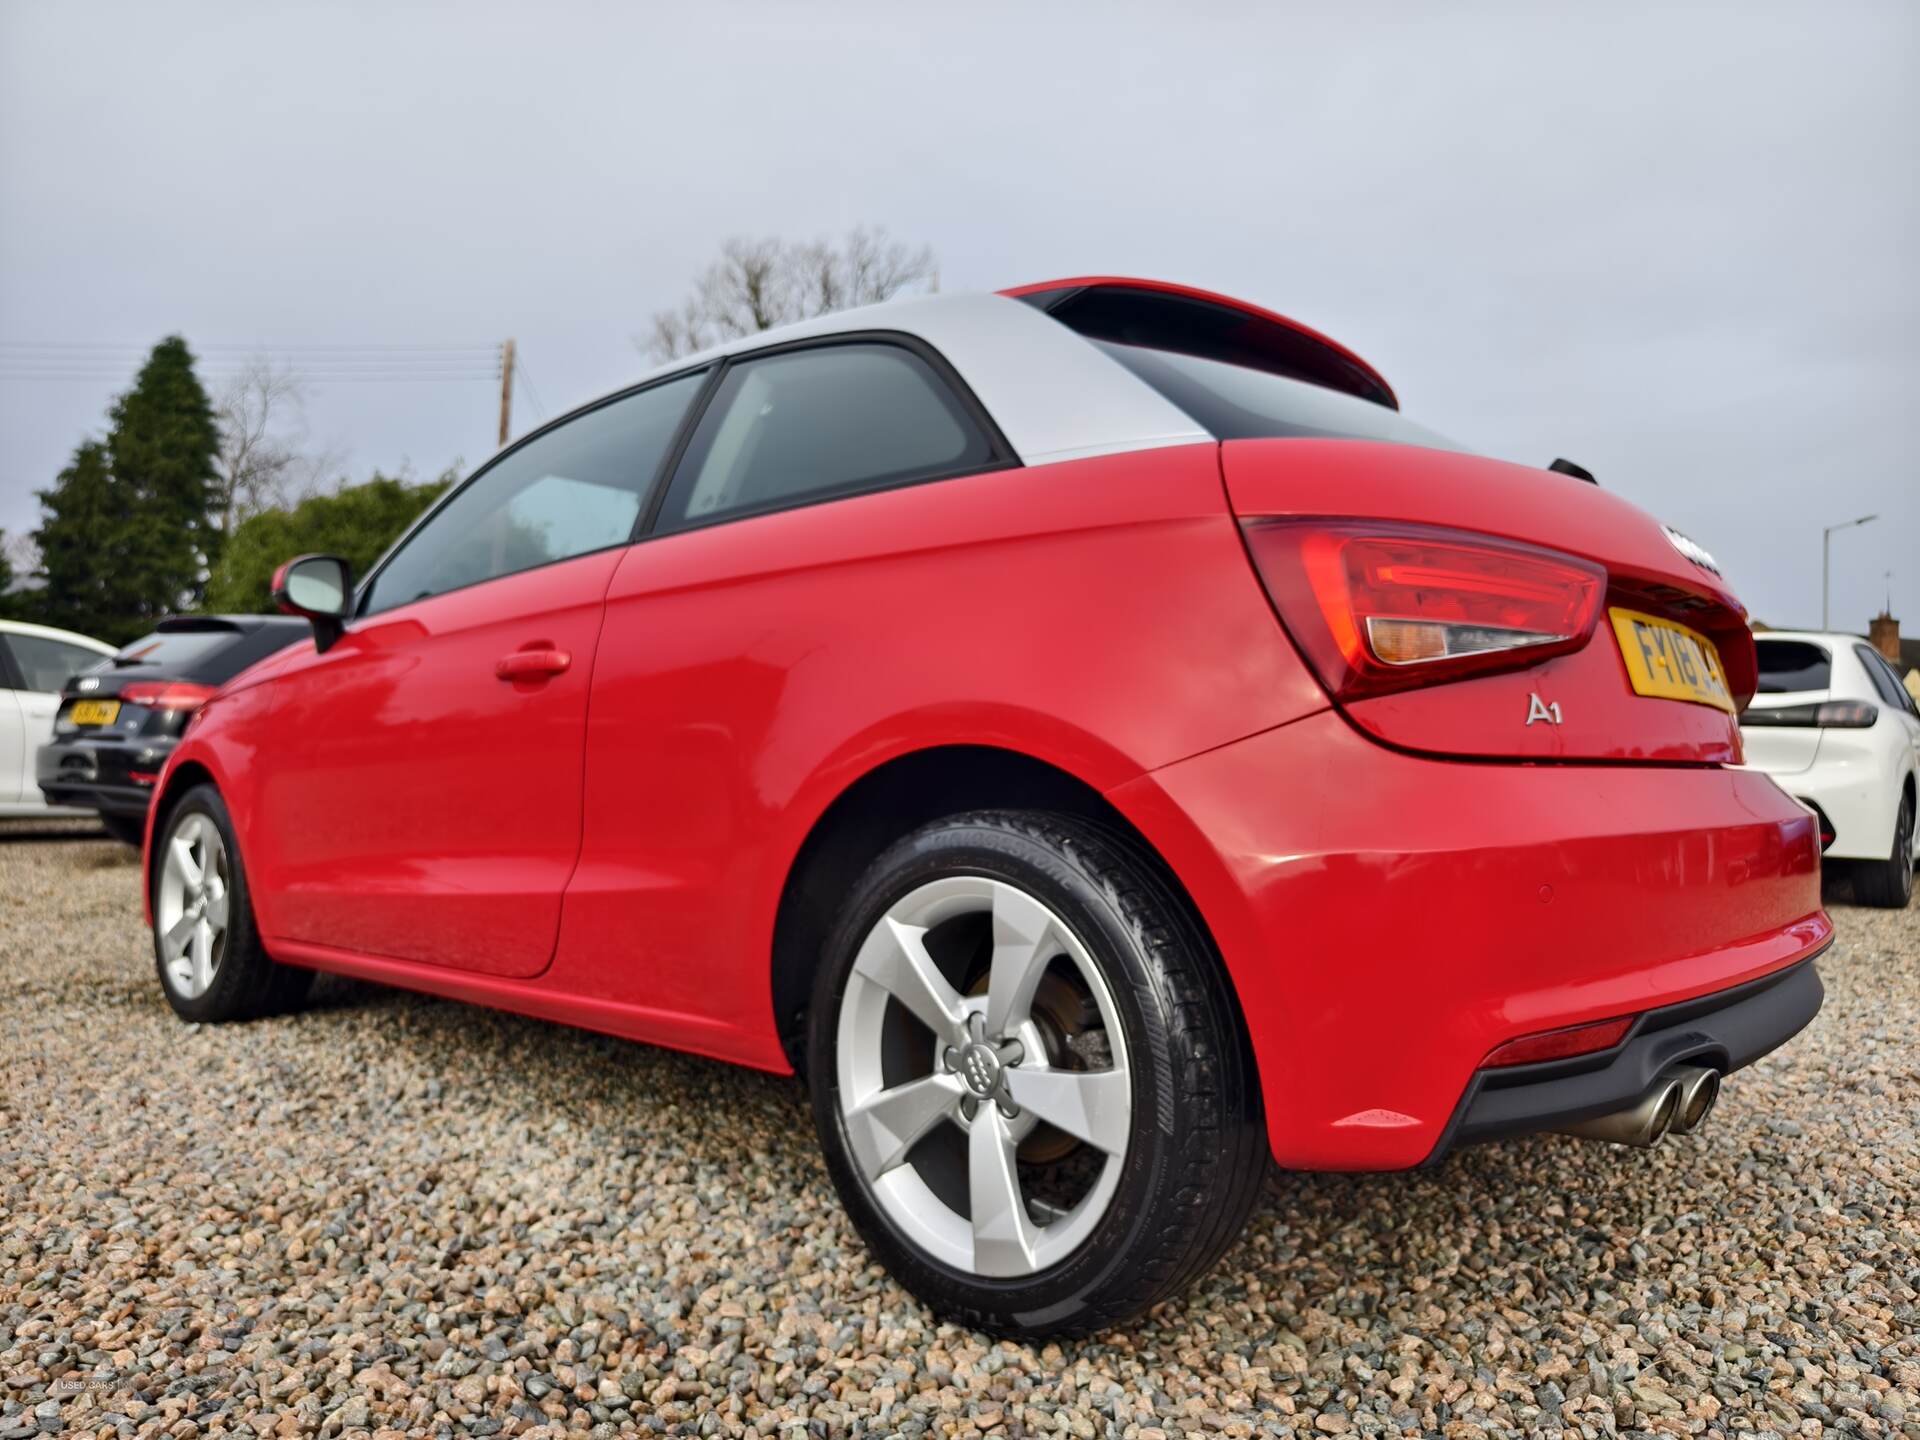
x=1790, y=665
x=1233, y=402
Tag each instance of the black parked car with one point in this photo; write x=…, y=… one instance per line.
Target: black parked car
x=117, y=725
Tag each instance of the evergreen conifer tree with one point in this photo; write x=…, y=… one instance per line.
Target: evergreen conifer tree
x=82, y=524
x=126, y=535
x=161, y=447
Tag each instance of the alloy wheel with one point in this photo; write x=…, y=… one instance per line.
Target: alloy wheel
x=1903, y=849
x=190, y=905
x=983, y=1083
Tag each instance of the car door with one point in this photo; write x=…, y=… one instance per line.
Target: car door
x=15, y=755
x=420, y=796
x=41, y=666
x=785, y=523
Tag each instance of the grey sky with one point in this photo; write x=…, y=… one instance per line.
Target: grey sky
x=1680, y=244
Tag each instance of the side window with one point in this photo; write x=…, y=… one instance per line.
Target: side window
x=46, y=664
x=807, y=425
x=1884, y=681
x=575, y=489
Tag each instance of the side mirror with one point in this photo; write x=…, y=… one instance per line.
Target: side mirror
x=319, y=587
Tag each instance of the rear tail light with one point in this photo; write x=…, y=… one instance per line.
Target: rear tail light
x=166, y=695
x=1826, y=715
x=1380, y=608
x=1560, y=1044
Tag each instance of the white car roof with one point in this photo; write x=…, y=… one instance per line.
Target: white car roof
x=48, y=632
x=1818, y=637
x=1054, y=396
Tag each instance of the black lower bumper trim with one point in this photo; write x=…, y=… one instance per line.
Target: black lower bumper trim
x=1725, y=1030
x=107, y=799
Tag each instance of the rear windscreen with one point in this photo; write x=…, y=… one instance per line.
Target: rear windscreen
x=1789, y=665
x=1232, y=402
x=176, y=650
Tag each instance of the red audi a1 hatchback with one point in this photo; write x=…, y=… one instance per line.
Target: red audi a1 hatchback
x=1086, y=731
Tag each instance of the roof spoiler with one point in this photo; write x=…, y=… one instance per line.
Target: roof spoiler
x=1213, y=327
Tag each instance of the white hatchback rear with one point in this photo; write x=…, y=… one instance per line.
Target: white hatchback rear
x=1838, y=731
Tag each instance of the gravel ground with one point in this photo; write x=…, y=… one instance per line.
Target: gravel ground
x=398, y=1215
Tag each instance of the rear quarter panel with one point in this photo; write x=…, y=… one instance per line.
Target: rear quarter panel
x=1100, y=615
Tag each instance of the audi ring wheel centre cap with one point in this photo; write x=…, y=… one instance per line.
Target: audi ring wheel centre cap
x=980, y=1068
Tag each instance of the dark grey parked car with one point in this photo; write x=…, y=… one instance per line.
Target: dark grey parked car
x=117, y=725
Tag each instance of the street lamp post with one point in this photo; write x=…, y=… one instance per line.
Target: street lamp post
x=1826, y=537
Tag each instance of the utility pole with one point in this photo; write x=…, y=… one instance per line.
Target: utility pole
x=506, y=387
x=1826, y=536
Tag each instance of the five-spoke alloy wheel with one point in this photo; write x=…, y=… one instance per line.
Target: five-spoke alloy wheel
x=190, y=904
x=1001, y=1066
x=1012, y=1010
x=205, y=946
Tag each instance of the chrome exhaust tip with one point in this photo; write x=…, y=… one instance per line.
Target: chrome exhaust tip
x=1699, y=1091
x=1641, y=1124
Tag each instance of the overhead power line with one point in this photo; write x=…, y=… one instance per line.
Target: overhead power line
x=382, y=381
x=297, y=347
x=337, y=365
x=365, y=378
x=110, y=353
x=317, y=362
x=526, y=383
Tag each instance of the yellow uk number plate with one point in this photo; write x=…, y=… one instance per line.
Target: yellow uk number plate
x=95, y=712
x=1669, y=661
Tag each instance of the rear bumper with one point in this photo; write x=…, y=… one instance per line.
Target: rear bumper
x=1855, y=780
x=1724, y=1031
x=99, y=776
x=1389, y=919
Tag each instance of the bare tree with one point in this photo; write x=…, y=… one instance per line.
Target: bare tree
x=758, y=284
x=263, y=461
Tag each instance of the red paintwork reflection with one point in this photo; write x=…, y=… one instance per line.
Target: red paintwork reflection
x=418, y=806
x=1390, y=919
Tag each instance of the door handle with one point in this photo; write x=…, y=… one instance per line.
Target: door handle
x=541, y=664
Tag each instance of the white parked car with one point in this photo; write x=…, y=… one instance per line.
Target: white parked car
x=35, y=661
x=1835, y=728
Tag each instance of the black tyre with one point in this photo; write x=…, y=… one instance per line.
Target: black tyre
x=205, y=946
x=127, y=829
x=1030, y=1076
x=1888, y=883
